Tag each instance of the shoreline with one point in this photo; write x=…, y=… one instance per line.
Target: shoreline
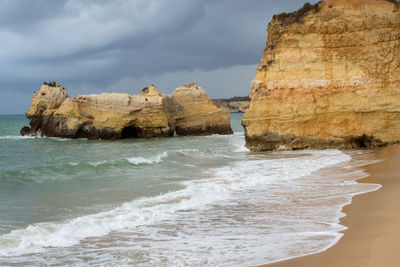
x=372, y=220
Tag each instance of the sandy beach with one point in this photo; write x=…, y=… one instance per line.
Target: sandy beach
x=373, y=221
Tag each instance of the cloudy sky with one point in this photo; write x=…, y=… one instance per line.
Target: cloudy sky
x=94, y=46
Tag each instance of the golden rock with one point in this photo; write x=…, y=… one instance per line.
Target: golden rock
x=329, y=78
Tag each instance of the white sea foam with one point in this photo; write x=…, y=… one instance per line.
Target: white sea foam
x=98, y=163
x=16, y=137
x=227, y=186
x=238, y=143
x=133, y=160
x=20, y=137
x=234, y=209
x=155, y=159
x=61, y=139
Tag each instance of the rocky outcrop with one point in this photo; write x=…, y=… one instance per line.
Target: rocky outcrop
x=329, y=78
x=234, y=104
x=201, y=116
x=118, y=115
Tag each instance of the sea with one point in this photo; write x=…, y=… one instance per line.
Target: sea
x=179, y=201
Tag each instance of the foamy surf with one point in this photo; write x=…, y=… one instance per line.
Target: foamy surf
x=15, y=137
x=190, y=201
x=155, y=159
x=132, y=160
x=198, y=195
x=25, y=137
x=238, y=143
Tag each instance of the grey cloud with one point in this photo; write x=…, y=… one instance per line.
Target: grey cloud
x=20, y=15
x=93, y=45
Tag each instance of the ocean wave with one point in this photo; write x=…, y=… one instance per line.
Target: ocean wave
x=197, y=195
x=20, y=137
x=203, y=153
x=188, y=152
x=64, y=139
x=64, y=171
x=155, y=159
x=133, y=160
x=238, y=143
x=16, y=137
x=98, y=163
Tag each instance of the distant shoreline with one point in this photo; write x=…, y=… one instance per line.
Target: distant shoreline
x=236, y=104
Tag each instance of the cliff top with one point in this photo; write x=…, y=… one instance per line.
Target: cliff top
x=297, y=16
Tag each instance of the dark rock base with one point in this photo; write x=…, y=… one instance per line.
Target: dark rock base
x=272, y=141
x=53, y=126
x=56, y=127
x=199, y=130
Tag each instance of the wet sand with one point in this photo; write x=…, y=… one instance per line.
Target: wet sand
x=373, y=220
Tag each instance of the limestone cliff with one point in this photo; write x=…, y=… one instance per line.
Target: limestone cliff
x=201, y=116
x=328, y=78
x=234, y=104
x=114, y=115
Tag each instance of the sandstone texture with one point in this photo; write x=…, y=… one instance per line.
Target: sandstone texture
x=329, y=78
x=120, y=116
x=201, y=116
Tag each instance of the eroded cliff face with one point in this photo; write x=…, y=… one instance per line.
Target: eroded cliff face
x=113, y=115
x=201, y=116
x=329, y=78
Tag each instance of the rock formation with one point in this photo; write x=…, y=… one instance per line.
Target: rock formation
x=119, y=116
x=329, y=78
x=201, y=116
x=235, y=104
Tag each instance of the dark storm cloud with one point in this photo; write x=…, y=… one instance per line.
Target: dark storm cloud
x=95, y=45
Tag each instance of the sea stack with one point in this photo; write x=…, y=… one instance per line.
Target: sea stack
x=328, y=78
x=201, y=116
x=119, y=115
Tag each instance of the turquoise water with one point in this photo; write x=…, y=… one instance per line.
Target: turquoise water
x=66, y=177
x=181, y=201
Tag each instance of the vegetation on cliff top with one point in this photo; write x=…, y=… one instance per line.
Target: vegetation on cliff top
x=232, y=99
x=296, y=16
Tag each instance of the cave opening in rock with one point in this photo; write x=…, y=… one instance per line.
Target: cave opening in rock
x=81, y=133
x=129, y=132
x=366, y=141
x=362, y=141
